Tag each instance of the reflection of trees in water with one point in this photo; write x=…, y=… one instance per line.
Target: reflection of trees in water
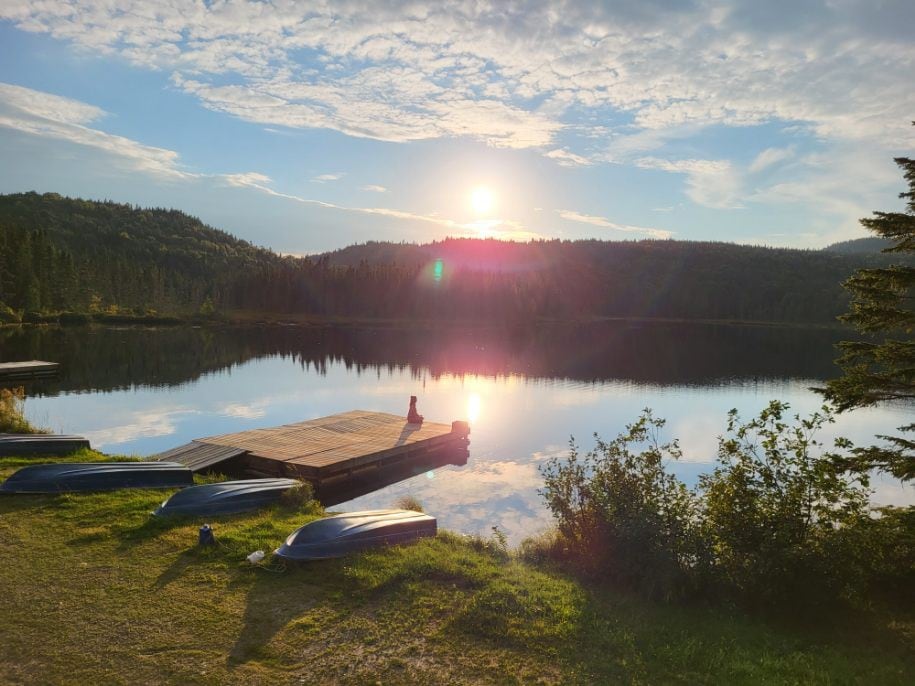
x=98, y=358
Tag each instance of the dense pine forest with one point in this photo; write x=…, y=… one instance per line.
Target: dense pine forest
x=62, y=255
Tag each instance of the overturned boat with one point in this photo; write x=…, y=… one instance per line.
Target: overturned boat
x=352, y=532
x=24, y=445
x=97, y=476
x=227, y=497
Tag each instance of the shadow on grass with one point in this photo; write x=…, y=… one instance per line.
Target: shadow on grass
x=150, y=528
x=177, y=568
x=274, y=600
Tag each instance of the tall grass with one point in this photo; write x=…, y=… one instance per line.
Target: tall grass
x=12, y=413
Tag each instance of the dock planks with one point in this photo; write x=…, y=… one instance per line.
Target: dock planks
x=28, y=369
x=323, y=448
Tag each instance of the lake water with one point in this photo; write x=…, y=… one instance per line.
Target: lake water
x=525, y=392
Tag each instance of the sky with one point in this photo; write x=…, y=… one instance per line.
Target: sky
x=305, y=127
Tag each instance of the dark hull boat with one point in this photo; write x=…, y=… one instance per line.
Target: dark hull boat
x=97, y=476
x=354, y=531
x=22, y=445
x=227, y=497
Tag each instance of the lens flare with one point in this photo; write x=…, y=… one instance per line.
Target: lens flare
x=438, y=270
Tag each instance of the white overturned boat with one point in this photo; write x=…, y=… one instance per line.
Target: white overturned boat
x=352, y=532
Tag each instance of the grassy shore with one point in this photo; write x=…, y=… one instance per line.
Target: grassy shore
x=94, y=590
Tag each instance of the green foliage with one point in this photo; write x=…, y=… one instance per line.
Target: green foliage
x=882, y=368
x=8, y=315
x=300, y=497
x=12, y=412
x=62, y=254
x=207, y=308
x=778, y=522
x=621, y=513
x=408, y=502
x=778, y=514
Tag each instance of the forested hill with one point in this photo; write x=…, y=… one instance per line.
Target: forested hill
x=873, y=244
x=59, y=254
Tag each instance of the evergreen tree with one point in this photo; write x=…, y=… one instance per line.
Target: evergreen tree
x=882, y=367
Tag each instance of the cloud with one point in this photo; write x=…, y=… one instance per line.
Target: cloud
x=564, y=158
x=253, y=179
x=770, y=156
x=515, y=75
x=607, y=224
x=324, y=178
x=51, y=116
x=712, y=183
x=373, y=188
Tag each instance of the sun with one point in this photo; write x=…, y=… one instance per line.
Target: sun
x=482, y=200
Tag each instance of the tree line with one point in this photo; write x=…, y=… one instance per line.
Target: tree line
x=61, y=254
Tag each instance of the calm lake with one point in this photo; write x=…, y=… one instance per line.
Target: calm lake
x=525, y=392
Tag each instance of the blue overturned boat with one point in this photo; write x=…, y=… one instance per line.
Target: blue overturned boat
x=352, y=532
x=97, y=476
x=24, y=445
x=227, y=497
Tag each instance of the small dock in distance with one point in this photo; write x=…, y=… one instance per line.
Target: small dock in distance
x=29, y=369
x=326, y=450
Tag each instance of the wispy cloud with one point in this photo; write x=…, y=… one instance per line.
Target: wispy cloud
x=712, y=183
x=52, y=116
x=373, y=188
x=566, y=158
x=605, y=223
x=324, y=178
x=769, y=157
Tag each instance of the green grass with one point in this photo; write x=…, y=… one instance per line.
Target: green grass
x=94, y=590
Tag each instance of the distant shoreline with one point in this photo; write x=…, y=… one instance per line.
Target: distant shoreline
x=248, y=318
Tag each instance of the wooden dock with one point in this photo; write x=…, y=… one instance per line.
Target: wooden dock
x=324, y=449
x=30, y=369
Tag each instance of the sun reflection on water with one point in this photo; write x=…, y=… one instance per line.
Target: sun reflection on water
x=473, y=407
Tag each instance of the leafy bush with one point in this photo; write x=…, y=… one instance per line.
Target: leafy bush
x=621, y=514
x=300, y=497
x=778, y=513
x=777, y=521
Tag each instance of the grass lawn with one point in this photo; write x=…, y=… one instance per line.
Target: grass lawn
x=94, y=590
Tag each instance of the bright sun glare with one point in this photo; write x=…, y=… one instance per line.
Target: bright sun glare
x=473, y=408
x=482, y=200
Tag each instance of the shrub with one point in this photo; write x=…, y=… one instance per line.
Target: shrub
x=300, y=497
x=8, y=315
x=12, y=412
x=778, y=521
x=623, y=517
x=408, y=502
x=778, y=513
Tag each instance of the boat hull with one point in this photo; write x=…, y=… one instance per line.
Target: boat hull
x=97, y=476
x=354, y=532
x=227, y=497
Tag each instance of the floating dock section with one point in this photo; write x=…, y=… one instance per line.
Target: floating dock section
x=31, y=369
x=325, y=450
